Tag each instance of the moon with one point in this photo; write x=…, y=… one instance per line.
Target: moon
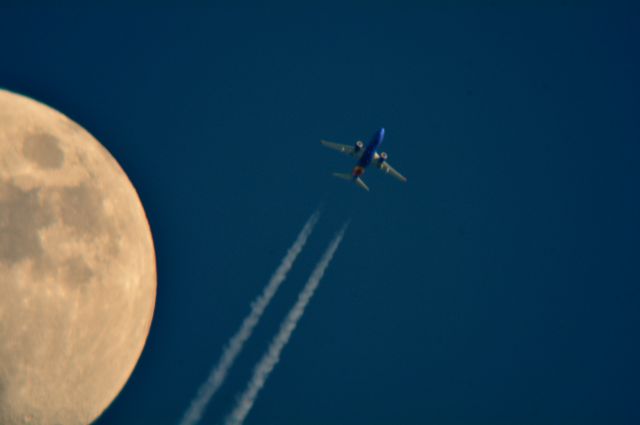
x=77, y=269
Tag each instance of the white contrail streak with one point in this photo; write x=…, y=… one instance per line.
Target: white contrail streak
x=271, y=357
x=235, y=344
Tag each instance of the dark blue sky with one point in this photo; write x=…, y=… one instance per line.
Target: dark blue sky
x=499, y=285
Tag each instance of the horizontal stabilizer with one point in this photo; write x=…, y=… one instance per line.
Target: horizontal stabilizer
x=349, y=177
x=343, y=176
x=360, y=183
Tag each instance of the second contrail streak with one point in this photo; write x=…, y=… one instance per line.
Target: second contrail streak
x=271, y=357
x=235, y=344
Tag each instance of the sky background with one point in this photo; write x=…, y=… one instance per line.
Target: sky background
x=499, y=285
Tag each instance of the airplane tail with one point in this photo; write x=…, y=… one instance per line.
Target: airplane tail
x=349, y=177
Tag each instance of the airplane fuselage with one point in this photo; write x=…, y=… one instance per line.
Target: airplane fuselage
x=369, y=154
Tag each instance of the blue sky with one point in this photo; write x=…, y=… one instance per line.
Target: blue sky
x=499, y=285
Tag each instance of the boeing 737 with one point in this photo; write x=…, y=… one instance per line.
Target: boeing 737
x=366, y=156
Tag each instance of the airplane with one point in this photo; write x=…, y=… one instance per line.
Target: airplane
x=366, y=156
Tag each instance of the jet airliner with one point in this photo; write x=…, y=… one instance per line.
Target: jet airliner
x=366, y=156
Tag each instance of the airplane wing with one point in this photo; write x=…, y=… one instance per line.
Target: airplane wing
x=346, y=149
x=388, y=169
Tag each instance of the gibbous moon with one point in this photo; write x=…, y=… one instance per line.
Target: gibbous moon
x=77, y=269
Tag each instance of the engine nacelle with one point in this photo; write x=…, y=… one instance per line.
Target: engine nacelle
x=382, y=158
x=359, y=145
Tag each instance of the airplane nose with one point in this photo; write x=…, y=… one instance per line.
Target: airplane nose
x=381, y=133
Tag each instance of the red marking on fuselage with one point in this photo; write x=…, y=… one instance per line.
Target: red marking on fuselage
x=357, y=171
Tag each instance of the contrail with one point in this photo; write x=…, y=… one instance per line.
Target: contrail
x=235, y=344
x=271, y=357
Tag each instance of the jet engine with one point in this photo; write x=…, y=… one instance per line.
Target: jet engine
x=382, y=158
x=359, y=145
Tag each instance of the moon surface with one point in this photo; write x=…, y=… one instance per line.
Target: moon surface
x=77, y=269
